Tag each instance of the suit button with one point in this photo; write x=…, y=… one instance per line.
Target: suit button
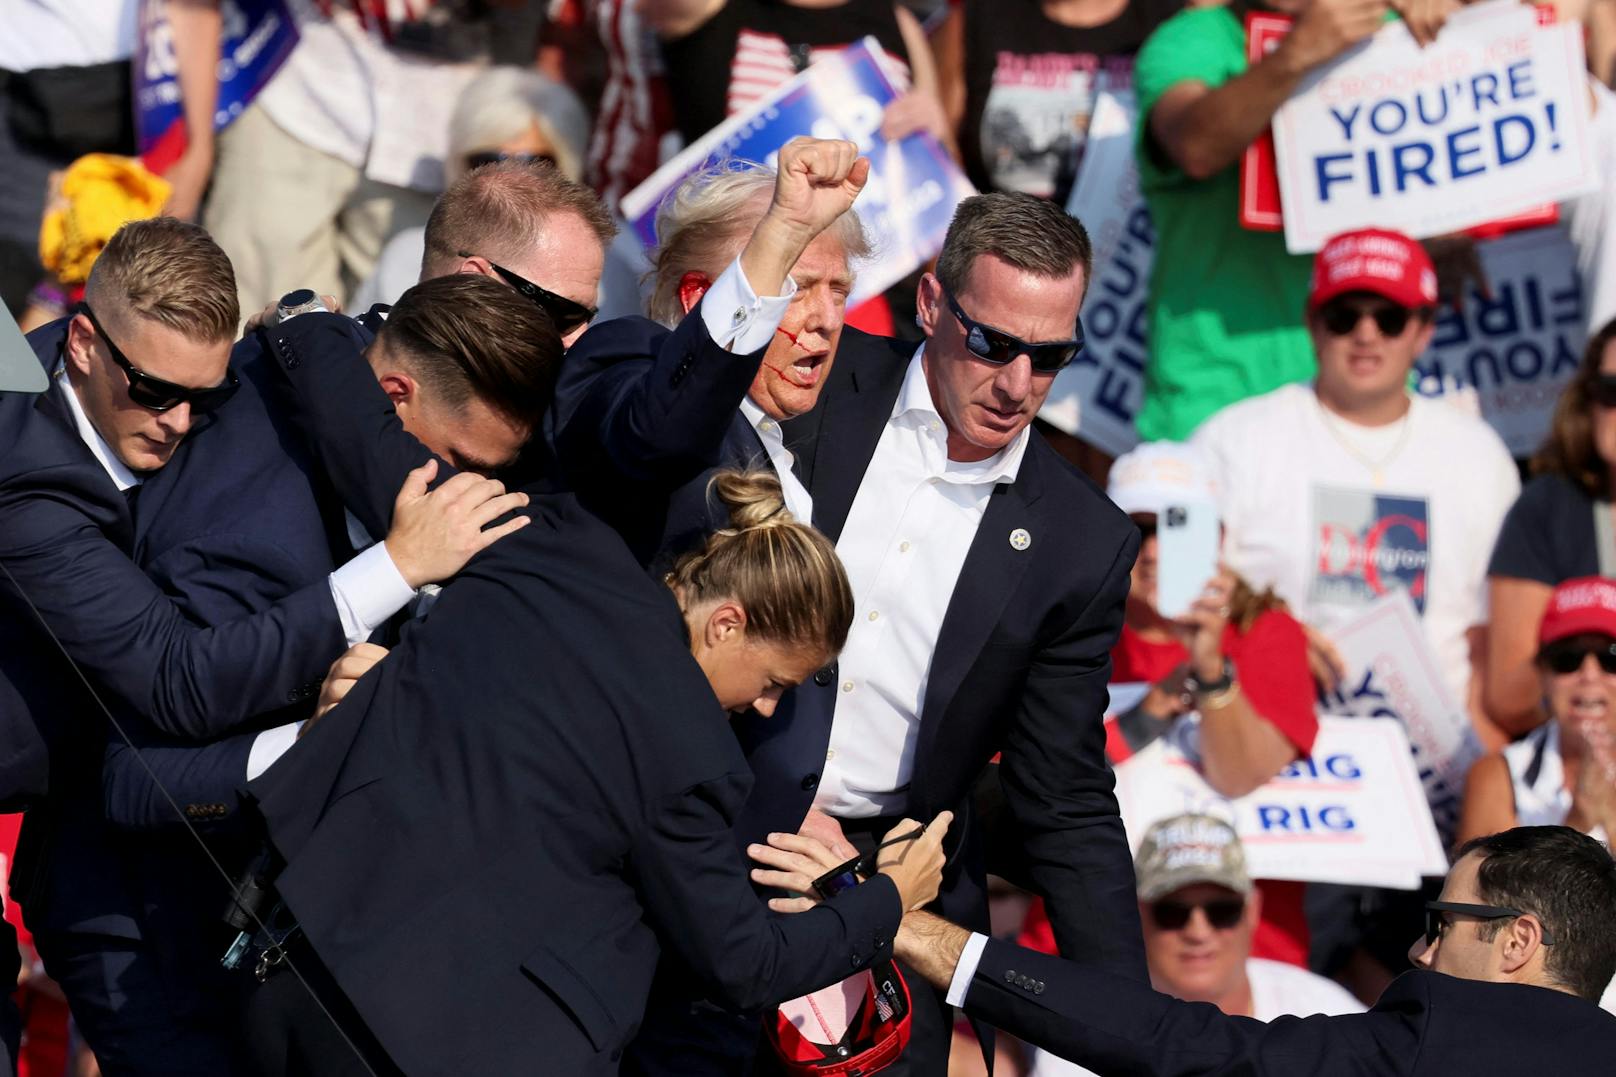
x=810, y=782
x=1038, y=988
x=856, y=961
x=1009, y=976
x=1021, y=982
x=824, y=676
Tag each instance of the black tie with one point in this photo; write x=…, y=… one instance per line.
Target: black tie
x=130, y=496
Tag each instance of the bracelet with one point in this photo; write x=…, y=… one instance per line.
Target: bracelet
x=1220, y=699
x=1197, y=687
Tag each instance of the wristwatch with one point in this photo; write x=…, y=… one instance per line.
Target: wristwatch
x=1197, y=687
x=301, y=301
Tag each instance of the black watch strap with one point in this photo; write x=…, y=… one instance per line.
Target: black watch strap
x=1195, y=686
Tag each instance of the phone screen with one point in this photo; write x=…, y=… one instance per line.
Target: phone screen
x=1186, y=555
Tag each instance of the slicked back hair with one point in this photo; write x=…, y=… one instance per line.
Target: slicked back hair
x=465, y=335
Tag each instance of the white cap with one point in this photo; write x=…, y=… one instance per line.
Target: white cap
x=1158, y=474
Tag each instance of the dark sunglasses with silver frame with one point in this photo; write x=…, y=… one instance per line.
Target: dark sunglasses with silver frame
x=567, y=314
x=998, y=347
x=157, y=394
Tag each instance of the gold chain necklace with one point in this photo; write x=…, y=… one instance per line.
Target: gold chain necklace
x=1376, y=465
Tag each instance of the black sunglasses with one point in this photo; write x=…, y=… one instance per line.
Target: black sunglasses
x=489, y=157
x=1602, y=390
x=1221, y=913
x=1567, y=656
x=1341, y=316
x=160, y=395
x=999, y=347
x=846, y=875
x=567, y=314
x=1436, y=917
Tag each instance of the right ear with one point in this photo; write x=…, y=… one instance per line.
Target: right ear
x=692, y=286
x=399, y=386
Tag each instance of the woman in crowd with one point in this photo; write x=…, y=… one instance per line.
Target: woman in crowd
x=599, y=768
x=505, y=113
x=1563, y=526
x=1564, y=771
x=1019, y=80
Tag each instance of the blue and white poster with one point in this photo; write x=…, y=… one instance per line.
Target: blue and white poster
x=914, y=184
x=256, y=38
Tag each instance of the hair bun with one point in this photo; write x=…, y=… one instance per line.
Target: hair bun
x=754, y=498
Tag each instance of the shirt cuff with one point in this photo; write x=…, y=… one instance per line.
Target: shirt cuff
x=368, y=590
x=738, y=319
x=970, y=957
x=269, y=746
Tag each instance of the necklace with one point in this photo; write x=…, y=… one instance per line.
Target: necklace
x=1339, y=428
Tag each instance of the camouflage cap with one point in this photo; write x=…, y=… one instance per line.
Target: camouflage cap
x=1189, y=849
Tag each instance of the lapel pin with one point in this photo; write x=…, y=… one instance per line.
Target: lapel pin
x=1019, y=539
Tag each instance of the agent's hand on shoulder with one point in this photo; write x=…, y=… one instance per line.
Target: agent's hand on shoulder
x=436, y=532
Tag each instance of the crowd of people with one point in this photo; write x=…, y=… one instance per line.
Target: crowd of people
x=440, y=636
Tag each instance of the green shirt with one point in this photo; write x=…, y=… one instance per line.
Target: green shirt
x=1225, y=302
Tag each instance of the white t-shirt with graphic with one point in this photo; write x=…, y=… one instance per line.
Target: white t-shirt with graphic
x=1333, y=515
x=1277, y=990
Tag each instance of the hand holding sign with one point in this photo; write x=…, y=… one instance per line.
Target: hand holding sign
x=1327, y=28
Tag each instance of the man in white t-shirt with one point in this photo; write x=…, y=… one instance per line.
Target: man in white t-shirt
x=1199, y=910
x=1342, y=491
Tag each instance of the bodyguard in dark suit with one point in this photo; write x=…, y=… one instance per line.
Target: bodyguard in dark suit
x=990, y=577
x=1511, y=967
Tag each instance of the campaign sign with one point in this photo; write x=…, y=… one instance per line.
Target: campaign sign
x=1489, y=121
x=1511, y=353
x=914, y=184
x=1391, y=673
x=1353, y=813
x=1097, y=395
x=1259, y=181
x=256, y=38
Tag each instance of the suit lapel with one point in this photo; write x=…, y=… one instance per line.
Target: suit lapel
x=992, y=572
x=52, y=409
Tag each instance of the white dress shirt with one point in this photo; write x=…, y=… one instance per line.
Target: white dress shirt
x=366, y=591
x=799, y=502
x=906, y=537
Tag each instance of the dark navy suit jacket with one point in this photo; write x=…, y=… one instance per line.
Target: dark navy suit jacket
x=642, y=416
x=1424, y=1025
x=520, y=768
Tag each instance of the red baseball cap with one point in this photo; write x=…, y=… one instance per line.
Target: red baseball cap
x=1580, y=606
x=1374, y=260
x=850, y=1029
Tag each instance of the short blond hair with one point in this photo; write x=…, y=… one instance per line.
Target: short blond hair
x=499, y=211
x=169, y=271
x=705, y=222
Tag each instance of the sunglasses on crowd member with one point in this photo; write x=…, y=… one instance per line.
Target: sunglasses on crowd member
x=1567, y=656
x=1437, y=912
x=157, y=394
x=846, y=875
x=567, y=314
x=1341, y=316
x=1602, y=390
x=1221, y=913
x=489, y=157
x=998, y=347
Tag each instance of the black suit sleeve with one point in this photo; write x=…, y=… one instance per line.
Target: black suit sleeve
x=694, y=887
x=201, y=779
x=134, y=643
x=1058, y=786
x=1114, y=1026
x=348, y=418
x=638, y=403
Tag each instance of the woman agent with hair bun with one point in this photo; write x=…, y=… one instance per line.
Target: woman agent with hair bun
x=543, y=765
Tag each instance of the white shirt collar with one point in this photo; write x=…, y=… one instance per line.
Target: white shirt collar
x=915, y=408
x=767, y=427
x=116, y=469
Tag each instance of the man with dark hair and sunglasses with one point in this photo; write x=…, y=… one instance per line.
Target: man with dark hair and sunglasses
x=1507, y=975
x=1200, y=910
